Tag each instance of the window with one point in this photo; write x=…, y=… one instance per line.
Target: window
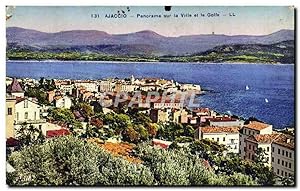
x=223, y=138
x=25, y=103
x=9, y=111
x=290, y=165
x=282, y=163
x=278, y=162
x=278, y=171
x=272, y=149
x=232, y=141
x=286, y=164
x=282, y=173
x=26, y=115
x=268, y=149
x=218, y=139
x=249, y=147
x=240, y=142
x=17, y=115
x=290, y=155
x=245, y=131
x=213, y=139
x=272, y=159
x=35, y=115
x=286, y=153
x=279, y=151
x=252, y=157
x=285, y=173
x=282, y=152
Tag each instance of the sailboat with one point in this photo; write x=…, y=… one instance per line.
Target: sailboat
x=266, y=100
x=247, y=87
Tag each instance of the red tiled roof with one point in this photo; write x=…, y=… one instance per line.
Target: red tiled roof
x=14, y=87
x=263, y=138
x=285, y=140
x=281, y=139
x=161, y=143
x=19, y=99
x=201, y=110
x=257, y=125
x=57, y=133
x=212, y=129
x=220, y=119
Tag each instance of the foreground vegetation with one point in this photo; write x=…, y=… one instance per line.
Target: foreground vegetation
x=73, y=161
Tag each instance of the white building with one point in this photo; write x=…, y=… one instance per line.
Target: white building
x=263, y=141
x=106, y=86
x=283, y=156
x=66, y=88
x=28, y=111
x=228, y=136
x=167, y=104
x=63, y=102
x=190, y=87
x=253, y=128
x=279, y=150
x=88, y=85
x=128, y=88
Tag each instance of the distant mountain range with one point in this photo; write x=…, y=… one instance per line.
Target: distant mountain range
x=146, y=43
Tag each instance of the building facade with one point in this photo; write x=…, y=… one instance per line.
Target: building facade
x=228, y=136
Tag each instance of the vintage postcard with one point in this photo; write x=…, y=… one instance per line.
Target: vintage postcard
x=150, y=96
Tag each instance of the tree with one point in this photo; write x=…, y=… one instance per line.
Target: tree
x=131, y=135
x=62, y=114
x=287, y=181
x=67, y=161
x=171, y=131
x=38, y=93
x=97, y=107
x=28, y=135
x=152, y=129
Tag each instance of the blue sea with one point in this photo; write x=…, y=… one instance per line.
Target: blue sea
x=227, y=83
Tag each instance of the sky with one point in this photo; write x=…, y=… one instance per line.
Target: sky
x=247, y=20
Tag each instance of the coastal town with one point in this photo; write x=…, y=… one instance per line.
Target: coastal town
x=52, y=108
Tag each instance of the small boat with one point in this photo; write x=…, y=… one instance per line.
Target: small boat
x=266, y=100
x=247, y=88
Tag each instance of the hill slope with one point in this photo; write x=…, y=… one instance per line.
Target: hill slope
x=146, y=43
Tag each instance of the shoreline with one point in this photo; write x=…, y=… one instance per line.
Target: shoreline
x=135, y=62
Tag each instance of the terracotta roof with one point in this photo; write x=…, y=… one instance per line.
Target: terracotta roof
x=212, y=129
x=161, y=143
x=56, y=133
x=57, y=97
x=19, y=99
x=14, y=87
x=257, y=125
x=265, y=138
x=201, y=110
x=285, y=140
x=221, y=119
x=281, y=139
